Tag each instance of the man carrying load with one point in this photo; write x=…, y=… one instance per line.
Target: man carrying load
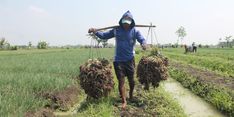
x=124, y=64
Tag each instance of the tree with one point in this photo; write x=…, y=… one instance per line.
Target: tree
x=228, y=39
x=2, y=42
x=181, y=34
x=42, y=45
x=29, y=44
x=232, y=42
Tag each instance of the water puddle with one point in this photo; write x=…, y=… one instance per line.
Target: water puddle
x=193, y=105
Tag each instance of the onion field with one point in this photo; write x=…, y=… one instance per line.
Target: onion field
x=46, y=82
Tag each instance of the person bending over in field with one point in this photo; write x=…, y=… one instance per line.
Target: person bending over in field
x=124, y=63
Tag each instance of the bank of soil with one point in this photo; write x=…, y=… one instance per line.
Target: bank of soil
x=58, y=100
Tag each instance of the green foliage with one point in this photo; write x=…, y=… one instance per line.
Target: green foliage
x=42, y=45
x=25, y=74
x=4, y=45
x=97, y=108
x=13, y=47
x=161, y=101
x=2, y=42
x=181, y=33
x=221, y=98
x=137, y=52
x=29, y=44
x=154, y=51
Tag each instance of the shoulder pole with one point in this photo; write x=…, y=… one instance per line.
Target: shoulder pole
x=110, y=27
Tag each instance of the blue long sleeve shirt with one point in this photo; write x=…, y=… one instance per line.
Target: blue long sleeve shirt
x=125, y=40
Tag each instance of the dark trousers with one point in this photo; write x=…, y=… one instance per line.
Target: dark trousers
x=123, y=69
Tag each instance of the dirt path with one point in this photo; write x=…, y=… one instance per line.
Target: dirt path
x=193, y=105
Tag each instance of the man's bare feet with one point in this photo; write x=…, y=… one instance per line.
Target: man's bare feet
x=124, y=104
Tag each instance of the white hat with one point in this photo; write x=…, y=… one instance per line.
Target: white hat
x=126, y=21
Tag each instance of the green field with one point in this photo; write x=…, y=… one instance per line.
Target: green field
x=25, y=74
x=208, y=73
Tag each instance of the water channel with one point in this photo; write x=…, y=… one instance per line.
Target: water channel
x=193, y=105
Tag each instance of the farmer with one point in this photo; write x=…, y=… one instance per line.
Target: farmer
x=124, y=63
x=186, y=49
x=194, y=47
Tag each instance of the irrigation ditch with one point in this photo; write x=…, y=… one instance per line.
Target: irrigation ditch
x=193, y=105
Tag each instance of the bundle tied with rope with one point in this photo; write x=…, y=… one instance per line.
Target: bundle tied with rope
x=96, y=76
x=152, y=68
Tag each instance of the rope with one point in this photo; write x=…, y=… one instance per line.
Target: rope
x=147, y=34
x=156, y=37
x=94, y=43
x=97, y=49
x=90, y=49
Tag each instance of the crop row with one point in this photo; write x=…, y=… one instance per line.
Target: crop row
x=213, y=64
x=224, y=54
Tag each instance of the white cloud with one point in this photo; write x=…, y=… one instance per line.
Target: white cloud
x=37, y=10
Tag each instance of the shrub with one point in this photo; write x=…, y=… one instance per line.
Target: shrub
x=42, y=45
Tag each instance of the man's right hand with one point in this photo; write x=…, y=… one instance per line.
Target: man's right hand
x=92, y=30
x=144, y=46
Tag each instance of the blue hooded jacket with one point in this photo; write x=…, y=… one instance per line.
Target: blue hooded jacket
x=125, y=39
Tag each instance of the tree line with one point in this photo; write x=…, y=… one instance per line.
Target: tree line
x=5, y=45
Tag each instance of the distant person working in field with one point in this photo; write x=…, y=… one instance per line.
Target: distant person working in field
x=124, y=63
x=194, y=47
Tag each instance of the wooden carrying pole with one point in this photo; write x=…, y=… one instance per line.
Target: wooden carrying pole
x=98, y=29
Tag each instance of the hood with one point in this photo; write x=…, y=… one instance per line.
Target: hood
x=128, y=14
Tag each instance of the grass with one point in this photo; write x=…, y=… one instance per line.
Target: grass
x=25, y=73
x=205, y=59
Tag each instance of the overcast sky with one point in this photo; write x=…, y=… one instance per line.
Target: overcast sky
x=62, y=22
